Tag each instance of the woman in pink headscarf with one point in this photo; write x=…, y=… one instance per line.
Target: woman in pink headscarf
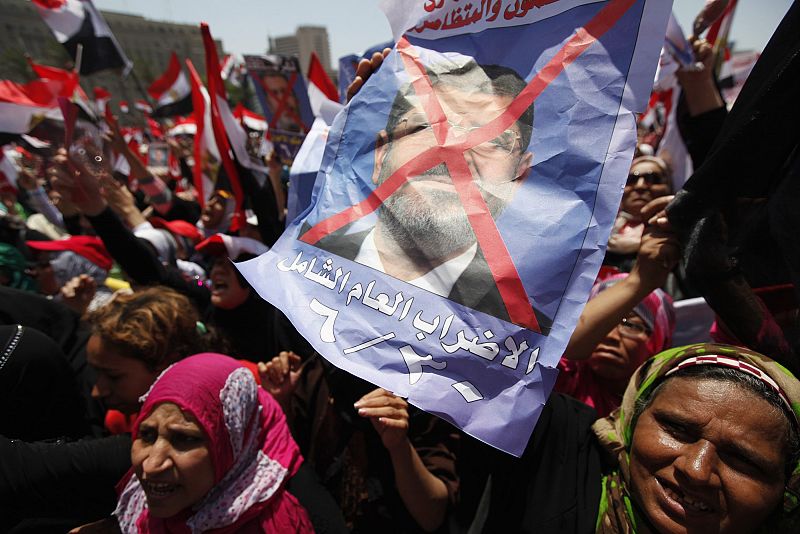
x=211, y=452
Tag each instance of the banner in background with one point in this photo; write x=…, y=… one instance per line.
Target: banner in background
x=282, y=93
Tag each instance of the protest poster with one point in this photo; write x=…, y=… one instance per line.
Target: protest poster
x=464, y=202
x=282, y=93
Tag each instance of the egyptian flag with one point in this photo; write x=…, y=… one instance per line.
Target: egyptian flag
x=101, y=99
x=322, y=93
x=72, y=88
x=143, y=106
x=171, y=92
x=78, y=22
x=250, y=119
x=23, y=106
x=205, y=153
x=232, y=69
x=183, y=126
x=8, y=173
x=228, y=132
x=719, y=33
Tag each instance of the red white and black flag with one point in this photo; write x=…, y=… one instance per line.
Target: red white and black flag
x=171, y=92
x=23, y=106
x=78, y=22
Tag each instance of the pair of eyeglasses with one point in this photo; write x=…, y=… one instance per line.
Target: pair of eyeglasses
x=501, y=146
x=650, y=178
x=633, y=330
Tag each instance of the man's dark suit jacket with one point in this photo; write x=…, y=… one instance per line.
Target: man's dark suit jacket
x=475, y=288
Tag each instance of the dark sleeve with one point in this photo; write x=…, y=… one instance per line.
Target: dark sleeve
x=436, y=443
x=183, y=210
x=72, y=225
x=325, y=514
x=139, y=261
x=60, y=480
x=700, y=131
x=555, y=486
x=264, y=204
x=186, y=170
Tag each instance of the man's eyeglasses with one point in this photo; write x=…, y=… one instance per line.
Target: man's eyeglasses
x=650, y=178
x=417, y=125
x=633, y=329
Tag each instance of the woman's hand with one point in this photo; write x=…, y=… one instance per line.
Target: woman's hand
x=365, y=69
x=78, y=293
x=660, y=250
x=76, y=184
x=279, y=376
x=389, y=416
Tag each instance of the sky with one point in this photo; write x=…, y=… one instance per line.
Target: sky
x=355, y=25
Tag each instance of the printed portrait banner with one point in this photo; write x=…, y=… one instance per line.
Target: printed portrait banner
x=464, y=203
x=281, y=91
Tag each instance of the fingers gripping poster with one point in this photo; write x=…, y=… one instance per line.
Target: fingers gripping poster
x=464, y=202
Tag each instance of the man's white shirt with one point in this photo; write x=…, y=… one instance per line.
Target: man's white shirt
x=439, y=280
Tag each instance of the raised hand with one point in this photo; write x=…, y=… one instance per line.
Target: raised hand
x=389, y=416
x=279, y=376
x=365, y=69
x=79, y=292
x=76, y=184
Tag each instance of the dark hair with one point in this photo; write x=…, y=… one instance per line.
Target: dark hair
x=745, y=381
x=503, y=81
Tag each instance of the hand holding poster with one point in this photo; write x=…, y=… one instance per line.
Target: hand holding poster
x=464, y=203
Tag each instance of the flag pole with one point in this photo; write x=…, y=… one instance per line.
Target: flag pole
x=78, y=58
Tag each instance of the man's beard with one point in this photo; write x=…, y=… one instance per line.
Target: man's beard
x=431, y=225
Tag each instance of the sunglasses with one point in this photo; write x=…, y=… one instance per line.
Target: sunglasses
x=650, y=178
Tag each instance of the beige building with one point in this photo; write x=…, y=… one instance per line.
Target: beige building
x=306, y=39
x=148, y=43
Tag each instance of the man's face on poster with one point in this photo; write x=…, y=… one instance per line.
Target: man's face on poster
x=277, y=89
x=426, y=214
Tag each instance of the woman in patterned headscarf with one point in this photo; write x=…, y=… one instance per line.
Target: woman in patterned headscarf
x=211, y=451
x=706, y=440
x=707, y=437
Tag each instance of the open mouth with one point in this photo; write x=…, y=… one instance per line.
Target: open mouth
x=686, y=503
x=158, y=490
x=218, y=286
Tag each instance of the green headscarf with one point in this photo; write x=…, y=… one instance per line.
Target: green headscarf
x=617, y=513
x=13, y=263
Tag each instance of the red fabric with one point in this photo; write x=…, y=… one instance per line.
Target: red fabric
x=167, y=80
x=320, y=78
x=178, y=227
x=90, y=247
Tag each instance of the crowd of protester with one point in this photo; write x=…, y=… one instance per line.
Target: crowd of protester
x=148, y=388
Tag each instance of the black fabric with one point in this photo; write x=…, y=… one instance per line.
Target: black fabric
x=264, y=204
x=99, y=53
x=181, y=107
x=63, y=326
x=553, y=488
x=61, y=483
x=325, y=515
x=183, y=210
x=39, y=395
